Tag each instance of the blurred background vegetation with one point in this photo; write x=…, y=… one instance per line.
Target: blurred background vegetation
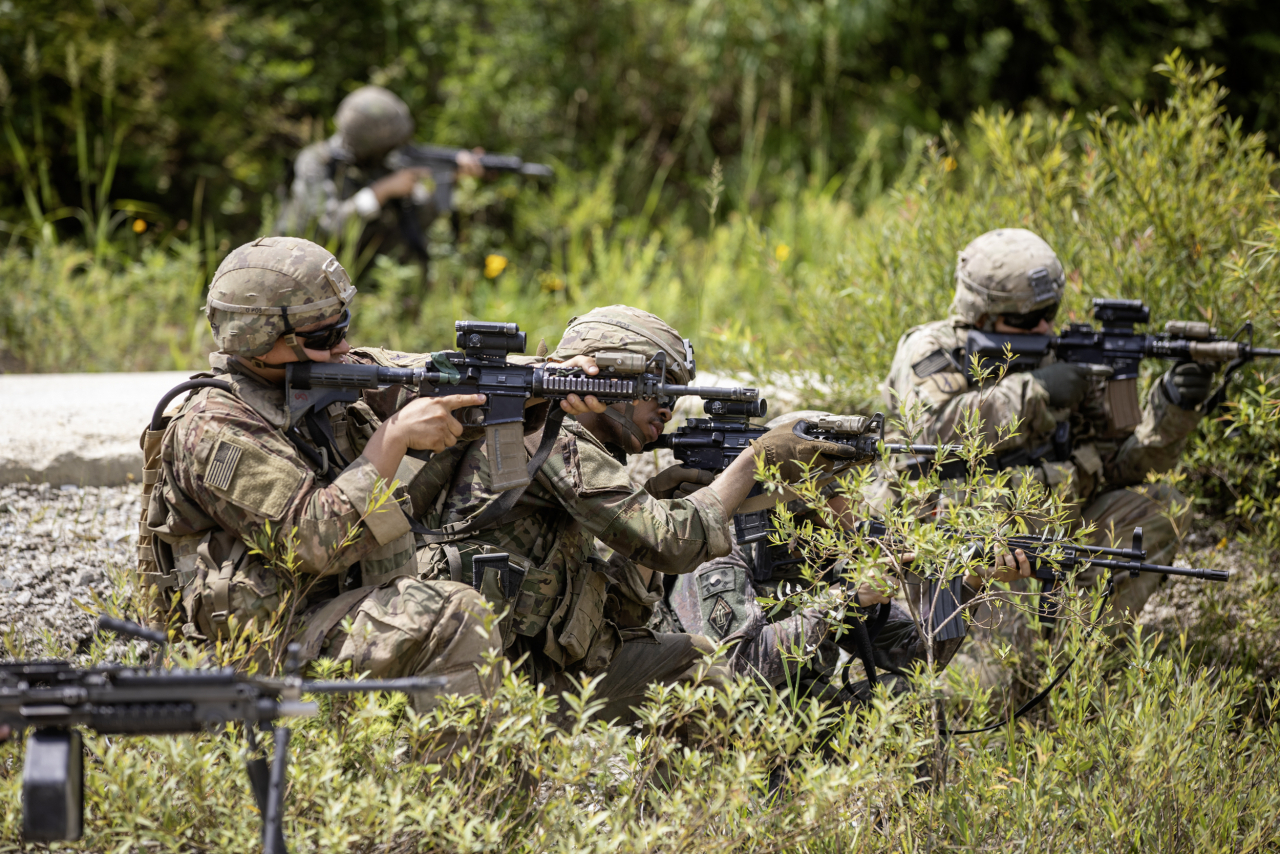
x=197, y=107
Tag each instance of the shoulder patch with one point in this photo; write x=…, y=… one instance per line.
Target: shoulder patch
x=717, y=580
x=252, y=477
x=223, y=465
x=721, y=616
x=934, y=363
x=599, y=471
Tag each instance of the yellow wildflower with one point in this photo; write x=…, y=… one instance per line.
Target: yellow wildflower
x=949, y=164
x=782, y=252
x=494, y=265
x=139, y=226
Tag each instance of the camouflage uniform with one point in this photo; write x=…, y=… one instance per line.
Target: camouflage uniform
x=331, y=180
x=720, y=600
x=576, y=613
x=238, y=471
x=1107, y=468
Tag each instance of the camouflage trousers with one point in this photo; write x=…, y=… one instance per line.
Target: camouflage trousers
x=798, y=650
x=408, y=627
x=1162, y=513
x=653, y=658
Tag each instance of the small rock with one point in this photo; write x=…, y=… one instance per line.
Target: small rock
x=23, y=598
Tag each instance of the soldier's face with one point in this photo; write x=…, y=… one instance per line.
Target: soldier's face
x=1041, y=328
x=649, y=416
x=281, y=354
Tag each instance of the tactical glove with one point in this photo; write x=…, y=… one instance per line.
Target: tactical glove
x=1188, y=384
x=677, y=482
x=783, y=448
x=1065, y=382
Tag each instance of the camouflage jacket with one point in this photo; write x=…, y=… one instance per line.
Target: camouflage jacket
x=241, y=516
x=322, y=197
x=925, y=376
x=573, y=608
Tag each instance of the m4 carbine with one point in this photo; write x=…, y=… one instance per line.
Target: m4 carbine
x=711, y=444
x=51, y=697
x=1118, y=349
x=480, y=366
x=443, y=163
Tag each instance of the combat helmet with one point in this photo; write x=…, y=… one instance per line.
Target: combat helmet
x=1006, y=271
x=623, y=328
x=264, y=290
x=371, y=121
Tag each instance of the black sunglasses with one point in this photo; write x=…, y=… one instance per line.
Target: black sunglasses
x=1032, y=319
x=327, y=337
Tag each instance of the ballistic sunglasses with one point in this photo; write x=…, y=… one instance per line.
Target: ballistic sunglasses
x=327, y=337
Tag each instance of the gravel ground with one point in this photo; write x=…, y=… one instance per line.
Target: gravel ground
x=58, y=547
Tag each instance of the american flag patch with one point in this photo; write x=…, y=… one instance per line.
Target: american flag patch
x=225, y=457
x=934, y=363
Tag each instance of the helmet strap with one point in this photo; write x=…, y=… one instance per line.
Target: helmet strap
x=290, y=337
x=623, y=420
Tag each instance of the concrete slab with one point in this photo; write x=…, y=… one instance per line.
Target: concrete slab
x=79, y=429
x=83, y=429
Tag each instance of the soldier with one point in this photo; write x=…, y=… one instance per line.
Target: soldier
x=575, y=613
x=1010, y=281
x=720, y=600
x=344, y=180
x=259, y=512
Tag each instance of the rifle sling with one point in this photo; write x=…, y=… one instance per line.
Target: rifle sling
x=1026, y=707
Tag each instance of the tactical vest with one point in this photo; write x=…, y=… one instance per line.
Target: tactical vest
x=559, y=602
x=185, y=560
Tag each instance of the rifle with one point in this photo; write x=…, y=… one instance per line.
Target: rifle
x=711, y=444
x=1118, y=350
x=443, y=163
x=50, y=697
x=480, y=366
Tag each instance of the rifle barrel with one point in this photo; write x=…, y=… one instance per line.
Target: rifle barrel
x=922, y=450
x=710, y=392
x=1189, y=572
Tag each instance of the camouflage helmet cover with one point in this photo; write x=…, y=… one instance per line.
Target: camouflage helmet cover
x=266, y=288
x=621, y=327
x=372, y=121
x=1006, y=271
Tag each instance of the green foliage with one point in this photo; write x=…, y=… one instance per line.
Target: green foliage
x=170, y=101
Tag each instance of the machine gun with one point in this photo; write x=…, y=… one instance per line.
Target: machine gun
x=51, y=697
x=1118, y=350
x=443, y=163
x=480, y=366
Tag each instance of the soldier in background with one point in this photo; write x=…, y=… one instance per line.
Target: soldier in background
x=344, y=181
x=1010, y=281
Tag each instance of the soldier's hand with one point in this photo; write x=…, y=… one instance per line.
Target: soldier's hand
x=573, y=404
x=398, y=184
x=469, y=163
x=428, y=423
x=869, y=594
x=782, y=447
x=1188, y=384
x=1065, y=382
x=677, y=482
x=1007, y=567
x=5, y=732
